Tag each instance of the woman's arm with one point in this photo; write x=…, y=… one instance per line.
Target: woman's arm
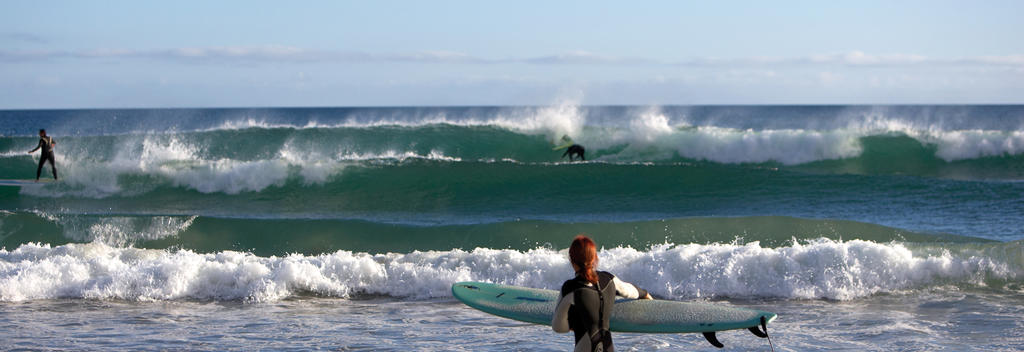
x=629, y=290
x=560, y=321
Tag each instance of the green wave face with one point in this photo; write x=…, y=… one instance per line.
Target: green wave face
x=266, y=237
x=903, y=155
x=440, y=192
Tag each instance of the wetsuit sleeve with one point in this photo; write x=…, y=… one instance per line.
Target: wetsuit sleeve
x=560, y=321
x=38, y=146
x=628, y=290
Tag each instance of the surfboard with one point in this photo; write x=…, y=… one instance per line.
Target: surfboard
x=23, y=183
x=566, y=142
x=537, y=306
x=563, y=146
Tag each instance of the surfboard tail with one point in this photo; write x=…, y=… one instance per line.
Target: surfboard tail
x=759, y=331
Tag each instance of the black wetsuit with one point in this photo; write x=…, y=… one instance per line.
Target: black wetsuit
x=575, y=149
x=46, y=143
x=586, y=318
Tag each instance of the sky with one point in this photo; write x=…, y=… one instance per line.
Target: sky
x=143, y=54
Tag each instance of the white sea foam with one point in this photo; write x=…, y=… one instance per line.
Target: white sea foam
x=816, y=269
x=655, y=140
x=959, y=145
x=651, y=133
x=396, y=156
x=951, y=144
x=566, y=118
x=183, y=164
x=13, y=154
x=118, y=231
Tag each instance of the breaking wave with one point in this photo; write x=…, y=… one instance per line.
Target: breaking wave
x=813, y=269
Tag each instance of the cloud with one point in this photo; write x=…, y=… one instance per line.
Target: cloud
x=1008, y=60
x=236, y=54
x=299, y=55
x=584, y=57
x=857, y=58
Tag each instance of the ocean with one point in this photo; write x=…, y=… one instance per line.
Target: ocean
x=873, y=228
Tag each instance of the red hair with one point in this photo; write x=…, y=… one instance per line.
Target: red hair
x=583, y=253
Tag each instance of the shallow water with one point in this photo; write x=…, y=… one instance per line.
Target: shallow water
x=935, y=320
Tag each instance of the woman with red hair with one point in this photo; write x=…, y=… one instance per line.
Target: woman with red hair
x=587, y=300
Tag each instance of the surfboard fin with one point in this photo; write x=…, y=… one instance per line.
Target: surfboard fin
x=710, y=336
x=760, y=332
x=757, y=332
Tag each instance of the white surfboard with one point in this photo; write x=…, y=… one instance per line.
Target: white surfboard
x=646, y=316
x=26, y=183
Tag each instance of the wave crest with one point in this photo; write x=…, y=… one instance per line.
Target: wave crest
x=816, y=269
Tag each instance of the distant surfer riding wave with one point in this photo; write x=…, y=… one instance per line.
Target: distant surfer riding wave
x=46, y=143
x=571, y=149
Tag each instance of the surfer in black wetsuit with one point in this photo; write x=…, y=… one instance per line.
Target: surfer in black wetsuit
x=588, y=299
x=46, y=143
x=575, y=149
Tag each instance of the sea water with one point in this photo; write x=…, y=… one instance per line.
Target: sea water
x=863, y=227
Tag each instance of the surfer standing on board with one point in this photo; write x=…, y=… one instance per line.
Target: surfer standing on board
x=46, y=143
x=571, y=149
x=575, y=149
x=587, y=300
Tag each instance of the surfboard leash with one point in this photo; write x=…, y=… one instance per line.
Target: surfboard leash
x=764, y=325
x=762, y=332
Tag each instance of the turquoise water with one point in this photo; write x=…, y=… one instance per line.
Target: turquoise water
x=864, y=227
